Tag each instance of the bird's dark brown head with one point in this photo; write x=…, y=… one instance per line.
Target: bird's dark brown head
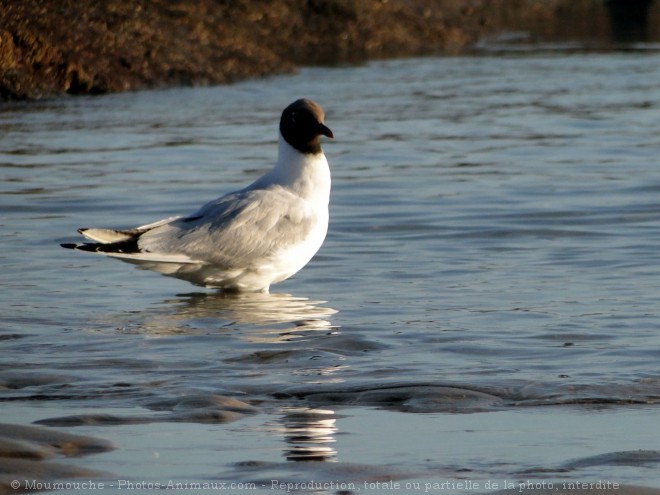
x=302, y=126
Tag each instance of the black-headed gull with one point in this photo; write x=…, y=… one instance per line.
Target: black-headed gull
x=248, y=239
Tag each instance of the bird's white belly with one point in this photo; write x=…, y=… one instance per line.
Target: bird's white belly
x=279, y=266
x=292, y=259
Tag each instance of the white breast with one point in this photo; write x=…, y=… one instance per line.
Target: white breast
x=307, y=176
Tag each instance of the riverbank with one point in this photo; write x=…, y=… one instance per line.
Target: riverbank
x=52, y=47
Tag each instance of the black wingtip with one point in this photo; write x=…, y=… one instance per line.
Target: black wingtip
x=92, y=248
x=124, y=247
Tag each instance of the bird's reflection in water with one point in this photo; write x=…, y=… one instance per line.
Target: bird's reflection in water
x=261, y=317
x=309, y=434
x=256, y=308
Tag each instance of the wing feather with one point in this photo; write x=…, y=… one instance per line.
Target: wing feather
x=236, y=229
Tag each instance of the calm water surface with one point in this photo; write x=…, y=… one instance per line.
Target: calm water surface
x=486, y=306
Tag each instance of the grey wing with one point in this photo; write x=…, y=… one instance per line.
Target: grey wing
x=235, y=229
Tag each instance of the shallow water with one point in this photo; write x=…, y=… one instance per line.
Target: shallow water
x=485, y=307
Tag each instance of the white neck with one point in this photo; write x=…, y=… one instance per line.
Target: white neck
x=306, y=175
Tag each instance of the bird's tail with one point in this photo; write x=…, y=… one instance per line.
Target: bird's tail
x=108, y=241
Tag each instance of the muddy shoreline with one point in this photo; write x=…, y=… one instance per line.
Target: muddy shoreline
x=54, y=47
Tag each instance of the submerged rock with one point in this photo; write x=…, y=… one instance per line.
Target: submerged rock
x=194, y=409
x=26, y=453
x=46, y=441
x=419, y=398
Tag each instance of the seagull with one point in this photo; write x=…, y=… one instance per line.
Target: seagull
x=246, y=240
